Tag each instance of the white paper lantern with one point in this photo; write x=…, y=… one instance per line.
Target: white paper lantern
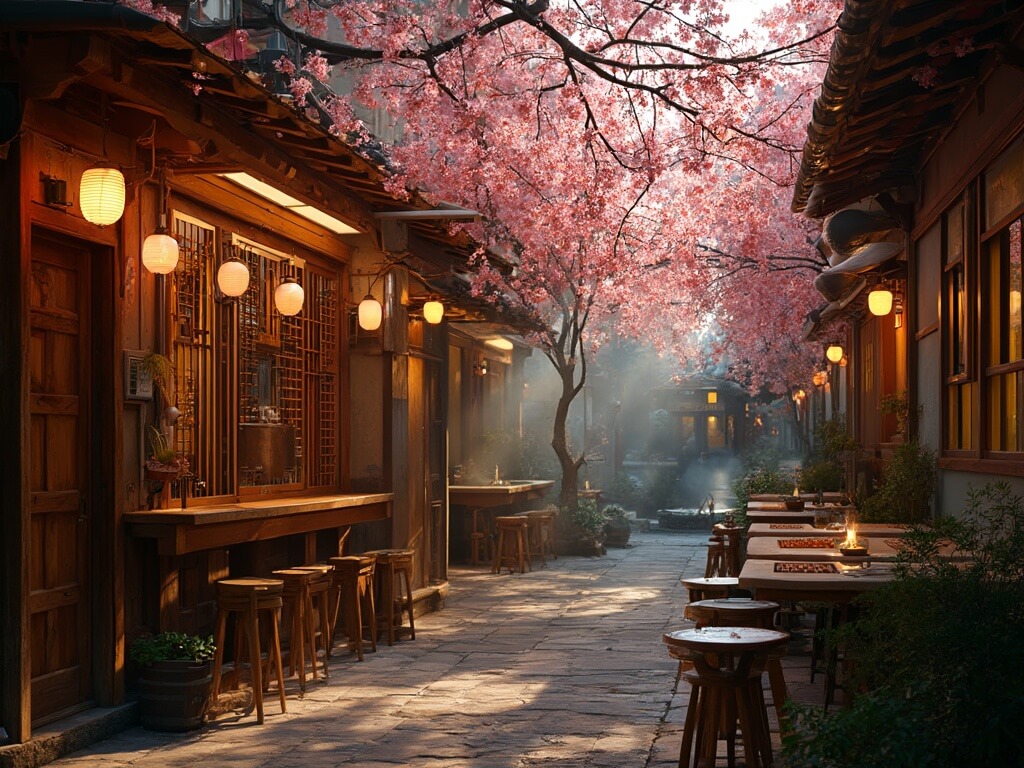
x=288, y=297
x=834, y=353
x=233, y=278
x=160, y=253
x=371, y=313
x=433, y=312
x=880, y=302
x=101, y=195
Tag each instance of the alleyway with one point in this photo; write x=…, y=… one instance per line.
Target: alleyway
x=560, y=667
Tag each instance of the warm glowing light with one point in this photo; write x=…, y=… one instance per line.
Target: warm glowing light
x=288, y=298
x=500, y=343
x=101, y=195
x=160, y=253
x=880, y=302
x=834, y=353
x=370, y=313
x=233, y=278
x=275, y=195
x=851, y=536
x=433, y=312
x=712, y=397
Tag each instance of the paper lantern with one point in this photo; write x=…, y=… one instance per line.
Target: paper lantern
x=101, y=195
x=233, y=278
x=880, y=302
x=288, y=298
x=834, y=353
x=370, y=313
x=160, y=253
x=433, y=312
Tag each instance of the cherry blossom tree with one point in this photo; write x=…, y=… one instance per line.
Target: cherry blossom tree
x=633, y=159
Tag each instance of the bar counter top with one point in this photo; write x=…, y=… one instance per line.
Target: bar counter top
x=179, y=531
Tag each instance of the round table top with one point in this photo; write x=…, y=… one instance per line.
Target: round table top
x=252, y=582
x=735, y=604
x=713, y=581
x=726, y=639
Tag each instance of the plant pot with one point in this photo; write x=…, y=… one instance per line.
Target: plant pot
x=174, y=695
x=617, y=534
x=167, y=475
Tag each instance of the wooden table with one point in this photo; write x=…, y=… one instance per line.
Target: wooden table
x=891, y=530
x=840, y=585
x=728, y=662
x=590, y=493
x=474, y=499
x=827, y=496
x=771, y=548
x=778, y=516
x=181, y=532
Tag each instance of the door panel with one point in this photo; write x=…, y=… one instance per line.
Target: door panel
x=59, y=586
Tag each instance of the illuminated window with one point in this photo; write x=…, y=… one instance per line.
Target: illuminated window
x=712, y=398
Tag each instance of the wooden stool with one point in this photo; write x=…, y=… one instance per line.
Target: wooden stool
x=297, y=596
x=394, y=566
x=726, y=692
x=534, y=537
x=247, y=599
x=743, y=612
x=718, y=558
x=709, y=587
x=320, y=595
x=547, y=530
x=511, y=547
x=353, y=588
x=479, y=548
x=731, y=534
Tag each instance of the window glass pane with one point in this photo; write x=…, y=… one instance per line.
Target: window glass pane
x=960, y=410
x=1014, y=347
x=955, y=234
x=957, y=321
x=1003, y=305
x=1004, y=428
x=1004, y=185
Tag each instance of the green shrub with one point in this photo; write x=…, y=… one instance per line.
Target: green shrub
x=588, y=520
x=625, y=490
x=822, y=476
x=661, y=493
x=171, y=646
x=937, y=654
x=905, y=493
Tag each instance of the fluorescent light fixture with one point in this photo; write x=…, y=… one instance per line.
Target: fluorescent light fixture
x=500, y=343
x=275, y=195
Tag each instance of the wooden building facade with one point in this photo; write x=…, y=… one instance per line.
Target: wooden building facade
x=921, y=119
x=298, y=429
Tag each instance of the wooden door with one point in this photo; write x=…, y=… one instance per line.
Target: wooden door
x=59, y=585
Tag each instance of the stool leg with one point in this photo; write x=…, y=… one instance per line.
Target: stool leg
x=275, y=648
x=355, y=621
x=779, y=693
x=323, y=600
x=371, y=613
x=524, y=552
x=309, y=628
x=692, y=711
x=255, y=657
x=409, y=605
x=498, y=552
x=218, y=655
x=389, y=605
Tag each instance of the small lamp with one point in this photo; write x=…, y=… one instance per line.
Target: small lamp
x=433, y=311
x=834, y=353
x=160, y=250
x=370, y=313
x=233, y=277
x=101, y=195
x=288, y=297
x=880, y=301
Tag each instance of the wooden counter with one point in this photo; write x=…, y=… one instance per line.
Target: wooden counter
x=180, y=531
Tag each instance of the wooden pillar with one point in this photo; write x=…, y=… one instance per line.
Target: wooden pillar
x=15, y=712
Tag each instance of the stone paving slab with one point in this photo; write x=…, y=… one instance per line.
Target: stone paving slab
x=563, y=666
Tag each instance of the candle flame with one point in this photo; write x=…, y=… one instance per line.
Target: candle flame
x=851, y=536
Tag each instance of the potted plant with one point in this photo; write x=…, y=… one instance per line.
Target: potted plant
x=616, y=528
x=174, y=679
x=164, y=463
x=588, y=526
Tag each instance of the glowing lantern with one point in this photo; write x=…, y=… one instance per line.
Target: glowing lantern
x=433, y=312
x=880, y=302
x=288, y=297
x=834, y=353
x=370, y=313
x=233, y=278
x=160, y=253
x=101, y=195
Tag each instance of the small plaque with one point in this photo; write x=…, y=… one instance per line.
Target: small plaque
x=138, y=384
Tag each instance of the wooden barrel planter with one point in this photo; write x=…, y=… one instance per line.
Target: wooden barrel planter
x=174, y=695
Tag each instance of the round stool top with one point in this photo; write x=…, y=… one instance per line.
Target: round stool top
x=251, y=582
x=729, y=529
x=512, y=520
x=540, y=513
x=711, y=581
x=296, y=574
x=725, y=639
x=735, y=604
x=364, y=559
x=315, y=568
x=388, y=556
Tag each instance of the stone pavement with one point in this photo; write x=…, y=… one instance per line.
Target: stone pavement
x=563, y=667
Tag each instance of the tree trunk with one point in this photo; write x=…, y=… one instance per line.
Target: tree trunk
x=567, y=498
